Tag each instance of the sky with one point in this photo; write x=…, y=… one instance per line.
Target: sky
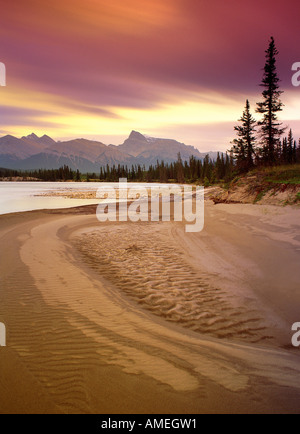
x=179, y=69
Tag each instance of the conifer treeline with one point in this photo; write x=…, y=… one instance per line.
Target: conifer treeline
x=260, y=143
x=205, y=172
x=62, y=174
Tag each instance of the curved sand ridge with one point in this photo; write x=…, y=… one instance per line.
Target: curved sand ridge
x=102, y=307
x=85, y=346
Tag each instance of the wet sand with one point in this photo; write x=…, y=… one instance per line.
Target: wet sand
x=144, y=318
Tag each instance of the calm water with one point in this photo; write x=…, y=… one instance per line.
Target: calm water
x=24, y=196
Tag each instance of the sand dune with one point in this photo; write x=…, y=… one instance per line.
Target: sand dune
x=145, y=318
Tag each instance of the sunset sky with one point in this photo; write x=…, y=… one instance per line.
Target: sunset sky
x=178, y=69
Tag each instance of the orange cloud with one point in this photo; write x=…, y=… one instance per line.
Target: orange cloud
x=129, y=16
x=101, y=16
x=94, y=66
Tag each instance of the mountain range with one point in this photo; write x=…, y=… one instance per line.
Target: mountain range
x=33, y=152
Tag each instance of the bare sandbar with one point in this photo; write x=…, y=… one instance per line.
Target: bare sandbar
x=144, y=318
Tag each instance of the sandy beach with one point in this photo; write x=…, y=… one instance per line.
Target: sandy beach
x=145, y=318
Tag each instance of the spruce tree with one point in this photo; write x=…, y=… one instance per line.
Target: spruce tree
x=284, y=154
x=244, y=146
x=290, y=147
x=271, y=129
x=180, y=171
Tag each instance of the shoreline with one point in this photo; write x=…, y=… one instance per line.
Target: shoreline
x=81, y=344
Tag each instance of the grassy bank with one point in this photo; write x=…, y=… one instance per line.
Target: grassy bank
x=278, y=185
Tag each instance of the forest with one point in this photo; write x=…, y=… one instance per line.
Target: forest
x=262, y=143
x=204, y=172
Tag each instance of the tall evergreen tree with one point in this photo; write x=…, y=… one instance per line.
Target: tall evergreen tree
x=271, y=129
x=244, y=146
x=284, y=152
x=290, y=147
x=180, y=171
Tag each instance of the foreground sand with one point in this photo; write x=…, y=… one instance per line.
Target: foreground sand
x=143, y=318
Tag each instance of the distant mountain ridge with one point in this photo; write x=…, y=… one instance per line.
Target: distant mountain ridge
x=32, y=152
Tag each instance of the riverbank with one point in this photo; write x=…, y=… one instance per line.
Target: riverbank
x=144, y=318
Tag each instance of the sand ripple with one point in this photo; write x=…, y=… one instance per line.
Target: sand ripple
x=146, y=263
x=81, y=340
